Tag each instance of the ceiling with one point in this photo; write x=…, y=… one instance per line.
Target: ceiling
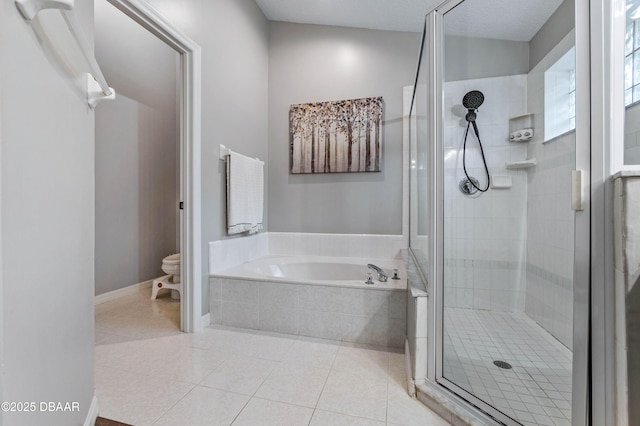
x=479, y=19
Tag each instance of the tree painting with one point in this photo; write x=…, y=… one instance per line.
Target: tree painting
x=336, y=137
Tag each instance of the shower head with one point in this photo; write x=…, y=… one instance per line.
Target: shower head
x=473, y=99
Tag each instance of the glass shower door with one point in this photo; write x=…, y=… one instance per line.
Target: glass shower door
x=504, y=252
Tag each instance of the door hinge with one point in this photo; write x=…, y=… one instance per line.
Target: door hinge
x=181, y=205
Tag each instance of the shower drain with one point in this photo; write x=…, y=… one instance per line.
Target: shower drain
x=502, y=364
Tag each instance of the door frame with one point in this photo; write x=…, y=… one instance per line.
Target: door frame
x=190, y=89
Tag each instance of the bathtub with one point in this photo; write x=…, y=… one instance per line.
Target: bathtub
x=323, y=297
x=317, y=270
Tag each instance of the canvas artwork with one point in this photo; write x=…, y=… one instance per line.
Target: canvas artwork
x=336, y=137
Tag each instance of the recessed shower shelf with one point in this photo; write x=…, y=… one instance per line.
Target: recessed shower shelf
x=524, y=164
x=521, y=135
x=521, y=128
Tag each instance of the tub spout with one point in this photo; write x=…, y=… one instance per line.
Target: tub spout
x=382, y=276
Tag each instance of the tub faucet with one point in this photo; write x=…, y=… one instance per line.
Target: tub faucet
x=382, y=276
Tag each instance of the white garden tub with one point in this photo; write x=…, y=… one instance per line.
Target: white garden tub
x=323, y=297
x=316, y=270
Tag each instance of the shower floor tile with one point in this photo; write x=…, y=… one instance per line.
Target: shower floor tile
x=536, y=391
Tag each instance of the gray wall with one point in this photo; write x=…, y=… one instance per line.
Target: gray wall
x=136, y=192
x=137, y=153
x=470, y=58
x=134, y=61
x=233, y=35
x=47, y=216
x=312, y=63
x=552, y=32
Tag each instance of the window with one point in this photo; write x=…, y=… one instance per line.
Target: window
x=560, y=96
x=632, y=56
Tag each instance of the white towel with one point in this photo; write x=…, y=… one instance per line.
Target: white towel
x=245, y=194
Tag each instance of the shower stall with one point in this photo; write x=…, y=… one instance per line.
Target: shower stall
x=498, y=225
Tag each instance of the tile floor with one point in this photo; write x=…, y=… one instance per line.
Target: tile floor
x=148, y=373
x=537, y=391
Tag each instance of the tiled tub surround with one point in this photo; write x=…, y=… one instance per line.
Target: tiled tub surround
x=346, y=310
x=227, y=253
x=224, y=254
x=417, y=322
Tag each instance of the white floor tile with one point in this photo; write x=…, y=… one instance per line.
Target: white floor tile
x=294, y=385
x=134, y=398
x=351, y=394
x=271, y=413
x=311, y=352
x=327, y=418
x=271, y=346
x=365, y=362
x=149, y=373
x=205, y=407
x=240, y=374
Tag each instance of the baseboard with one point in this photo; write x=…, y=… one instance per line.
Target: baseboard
x=206, y=321
x=115, y=294
x=92, y=415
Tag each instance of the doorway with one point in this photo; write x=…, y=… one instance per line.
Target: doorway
x=137, y=160
x=189, y=117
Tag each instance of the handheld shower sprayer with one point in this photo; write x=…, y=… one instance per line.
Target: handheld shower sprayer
x=472, y=101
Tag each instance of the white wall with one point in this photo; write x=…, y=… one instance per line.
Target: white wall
x=47, y=212
x=314, y=63
x=233, y=36
x=485, y=234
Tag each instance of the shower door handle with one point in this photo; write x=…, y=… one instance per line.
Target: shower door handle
x=576, y=190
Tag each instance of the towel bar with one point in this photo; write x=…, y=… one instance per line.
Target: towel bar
x=224, y=151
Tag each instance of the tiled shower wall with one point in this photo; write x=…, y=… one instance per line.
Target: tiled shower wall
x=550, y=218
x=485, y=234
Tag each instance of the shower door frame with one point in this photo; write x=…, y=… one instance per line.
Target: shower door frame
x=433, y=59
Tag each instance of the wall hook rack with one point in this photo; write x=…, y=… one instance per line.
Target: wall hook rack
x=95, y=93
x=97, y=86
x=30, y=8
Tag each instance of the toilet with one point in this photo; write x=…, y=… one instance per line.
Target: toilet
x=171, y=281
